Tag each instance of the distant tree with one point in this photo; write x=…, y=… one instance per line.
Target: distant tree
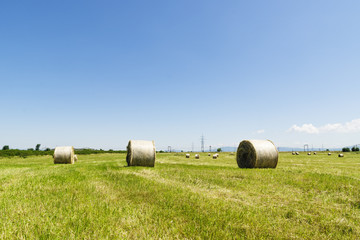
x=37, y=148
x=6, y=147
x=47, y=149
x=346, y=149
x=355, y=149
x=219, y=150
x=327, y=150
x=30, y=149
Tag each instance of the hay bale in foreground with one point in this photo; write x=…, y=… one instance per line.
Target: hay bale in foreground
x=64, y=155
x=341, y=155
x=197, y=156
x=257, y=154
x=141, y=153
x=215, y=156
x=187, y=155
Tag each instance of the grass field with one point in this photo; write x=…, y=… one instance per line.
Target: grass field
x=305, y=197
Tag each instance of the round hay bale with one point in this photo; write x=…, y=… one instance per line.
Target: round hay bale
x=209, y=154
x=341, y=155
x=64, y=155
x=187, y=155
x=329, y=154
x=141, y=153
x=297, y=153
x=314, y=153
x=293, y=153
x=309, y=153
x=257, y=154
x=75, y=158
x=215, y=156
x=197, y=156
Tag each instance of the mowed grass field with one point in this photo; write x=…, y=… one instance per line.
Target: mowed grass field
x=305, y=197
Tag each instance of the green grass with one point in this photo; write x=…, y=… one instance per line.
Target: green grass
x=305, y=197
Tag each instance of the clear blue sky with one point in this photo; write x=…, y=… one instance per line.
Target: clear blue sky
x=98, y=73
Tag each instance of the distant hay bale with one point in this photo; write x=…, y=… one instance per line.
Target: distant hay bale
x=257, y=154
x=297, y=153
x=64, y=155
x=314, y=153
x=197, y=156
x=187, y=155
x=75, y=158
x=309, y=153
x=141, y=153
x=293, y=153
x=329, y=154
x=215, y=156
x=209, y=154
x=341, y=155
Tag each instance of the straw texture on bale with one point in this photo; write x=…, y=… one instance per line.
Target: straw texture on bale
x=75, y=158
x=341, y=155
x=197, y=156
x=187, y=155
x=64, y=155
x=257, y=154
x=141, y=153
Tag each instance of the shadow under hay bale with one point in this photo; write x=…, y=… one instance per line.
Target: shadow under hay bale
x=141, y=153
x=257, y=154
x=64, y=155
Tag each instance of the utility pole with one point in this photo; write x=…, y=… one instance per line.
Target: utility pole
x=209, y=148
x=169, y=148
x=202, y=143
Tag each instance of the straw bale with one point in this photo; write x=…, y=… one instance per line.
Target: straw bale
x=309, y=153
x=187, y=155
x=329, y=154
x=75, y=158
x=64, y=154
x=197, y=156
x=297, y=153
x=341, y=155
x=141, y=153
x=215, y=156
x=257, y=154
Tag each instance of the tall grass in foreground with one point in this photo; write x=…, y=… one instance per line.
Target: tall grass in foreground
x=312, y=197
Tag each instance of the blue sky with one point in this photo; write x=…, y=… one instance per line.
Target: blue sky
x=99, y=73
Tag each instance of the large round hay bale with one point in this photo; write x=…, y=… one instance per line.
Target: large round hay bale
x=197, y=156
x=341, y=155
x=141, y=153
x=314, y=153
x=309, y=153
x=257, y=154
x=64, y=155
x=187, y=155
x=215, y=156
x=293, y=153
x=297, y=153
